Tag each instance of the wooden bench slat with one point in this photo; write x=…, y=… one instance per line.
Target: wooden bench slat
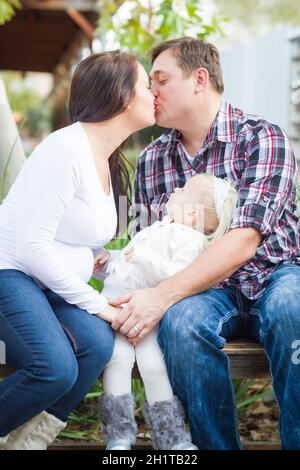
x=247, y=360
x=141, y=445
x=239, y=347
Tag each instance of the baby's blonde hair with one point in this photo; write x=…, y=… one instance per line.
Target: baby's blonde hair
x=218, y=227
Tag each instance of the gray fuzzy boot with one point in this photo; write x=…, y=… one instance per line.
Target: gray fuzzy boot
x=166, y=421
x=119, y=428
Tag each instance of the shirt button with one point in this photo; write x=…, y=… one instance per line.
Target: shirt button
x=266, y=198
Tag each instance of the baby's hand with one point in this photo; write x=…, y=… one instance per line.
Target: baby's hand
x=100, y=261
x=128, y=254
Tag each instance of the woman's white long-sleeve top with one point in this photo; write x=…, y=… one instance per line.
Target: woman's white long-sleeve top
x=54, y=217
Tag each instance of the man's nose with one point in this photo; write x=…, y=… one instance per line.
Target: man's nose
x=154, y=90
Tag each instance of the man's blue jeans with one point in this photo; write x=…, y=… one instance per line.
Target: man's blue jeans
x=192, y=335
x=58, y=350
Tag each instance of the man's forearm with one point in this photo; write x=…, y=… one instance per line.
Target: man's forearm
x=216, y=263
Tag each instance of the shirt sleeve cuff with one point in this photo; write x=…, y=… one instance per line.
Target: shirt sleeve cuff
x=259, y=216
x=99, y=305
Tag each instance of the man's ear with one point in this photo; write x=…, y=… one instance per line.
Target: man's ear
x=201, y=79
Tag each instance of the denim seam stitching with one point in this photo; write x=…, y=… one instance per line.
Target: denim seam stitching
x=224, y=320
x=257, y=313
x=240, y=305
x=71, y=337
x=221, y=323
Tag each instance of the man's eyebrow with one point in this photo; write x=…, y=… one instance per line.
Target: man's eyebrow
x=157, y=72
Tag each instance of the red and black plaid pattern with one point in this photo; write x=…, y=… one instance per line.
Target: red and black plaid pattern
x=257, y=156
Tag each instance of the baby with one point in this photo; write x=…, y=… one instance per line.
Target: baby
x=197, y=215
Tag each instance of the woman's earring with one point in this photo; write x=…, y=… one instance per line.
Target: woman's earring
x=128, y=107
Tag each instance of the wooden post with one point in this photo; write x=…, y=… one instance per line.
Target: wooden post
x=10, y=145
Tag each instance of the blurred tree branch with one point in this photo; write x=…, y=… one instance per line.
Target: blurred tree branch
x=138, y=25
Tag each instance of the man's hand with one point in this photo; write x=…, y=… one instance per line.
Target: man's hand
x=142, y=311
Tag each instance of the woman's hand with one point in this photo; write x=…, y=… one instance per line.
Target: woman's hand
x=142, y=310
x=101, y=260
x=109, y=314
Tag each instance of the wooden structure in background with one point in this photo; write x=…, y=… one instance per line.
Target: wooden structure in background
x=45, y=35
x=48, y=36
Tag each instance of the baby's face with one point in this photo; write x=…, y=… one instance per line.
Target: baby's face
x=184, y=200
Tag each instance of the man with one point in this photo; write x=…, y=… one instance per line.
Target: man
x=244, y=284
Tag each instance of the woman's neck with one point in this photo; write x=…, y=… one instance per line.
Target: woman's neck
x=105, y=137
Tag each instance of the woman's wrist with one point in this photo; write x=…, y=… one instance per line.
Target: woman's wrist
x=168, y=294
x=107, y=314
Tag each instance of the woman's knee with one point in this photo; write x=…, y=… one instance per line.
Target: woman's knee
x=58, y=371
x=96, y=341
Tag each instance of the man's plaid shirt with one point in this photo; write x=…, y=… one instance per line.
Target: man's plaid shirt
x=257, y=156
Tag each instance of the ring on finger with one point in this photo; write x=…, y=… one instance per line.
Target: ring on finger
x=136, y=329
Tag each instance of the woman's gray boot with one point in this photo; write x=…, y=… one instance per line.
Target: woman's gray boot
x=119, y=428
x=166, y=422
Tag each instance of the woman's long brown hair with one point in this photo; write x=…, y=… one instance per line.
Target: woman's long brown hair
x=102, y=86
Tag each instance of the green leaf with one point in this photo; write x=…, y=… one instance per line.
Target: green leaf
x=254, y=398
x=93, y=395
x=243, y=389
x=7, y=9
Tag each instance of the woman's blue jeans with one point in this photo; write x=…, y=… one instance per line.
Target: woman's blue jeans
x=57, y=349
x=192, y=335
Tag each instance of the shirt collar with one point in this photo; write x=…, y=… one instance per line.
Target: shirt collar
x=226, y=123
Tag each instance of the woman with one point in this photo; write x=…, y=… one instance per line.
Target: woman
x=61, y=208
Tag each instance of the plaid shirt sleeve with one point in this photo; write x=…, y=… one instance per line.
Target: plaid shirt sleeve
x=268, y=181
x=140, y=208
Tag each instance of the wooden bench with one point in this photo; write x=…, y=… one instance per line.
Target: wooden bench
x=247, y=360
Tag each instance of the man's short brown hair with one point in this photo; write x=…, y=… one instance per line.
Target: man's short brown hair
x=192, y=53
